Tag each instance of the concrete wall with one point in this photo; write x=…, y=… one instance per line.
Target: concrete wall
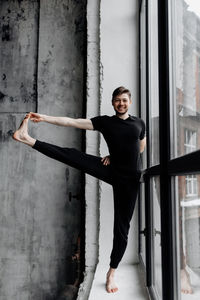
x=42, y=61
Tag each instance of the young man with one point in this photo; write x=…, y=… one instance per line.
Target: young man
x=125, y=137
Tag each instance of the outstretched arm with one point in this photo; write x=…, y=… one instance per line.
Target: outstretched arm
x=62, y=121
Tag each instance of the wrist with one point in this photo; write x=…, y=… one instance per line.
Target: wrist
x=44, y=118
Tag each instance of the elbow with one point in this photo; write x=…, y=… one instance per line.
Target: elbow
x=142, y=149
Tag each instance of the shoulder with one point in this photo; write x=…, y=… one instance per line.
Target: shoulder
x=137, y=119
x=100, y=118
x=105, y=117
x=99, y=122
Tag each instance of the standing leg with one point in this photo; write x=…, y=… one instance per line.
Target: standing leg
x=125, y=195
x=124, y=204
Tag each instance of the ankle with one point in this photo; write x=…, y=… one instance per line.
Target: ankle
x=111, y=273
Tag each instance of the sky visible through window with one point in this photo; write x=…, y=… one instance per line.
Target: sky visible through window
x=194, y=5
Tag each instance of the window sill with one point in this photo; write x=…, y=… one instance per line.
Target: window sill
x=128, y=280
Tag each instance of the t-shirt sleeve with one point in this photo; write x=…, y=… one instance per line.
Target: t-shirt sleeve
x=143, y=131
x=97, y=123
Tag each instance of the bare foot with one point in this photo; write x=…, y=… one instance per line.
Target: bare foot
x=185, y=282
x=110, y=283
x=21, y=135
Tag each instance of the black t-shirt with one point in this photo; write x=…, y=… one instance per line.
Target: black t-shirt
x=123, y=140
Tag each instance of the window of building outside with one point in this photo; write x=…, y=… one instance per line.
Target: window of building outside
x=190, y=145
x=191, y=185
x=190, y=140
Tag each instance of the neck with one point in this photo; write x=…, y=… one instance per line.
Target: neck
x=123, y=117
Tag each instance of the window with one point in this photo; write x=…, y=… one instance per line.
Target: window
x=191, y=185
x=142, y=242
x=170, y=105
x=157, y=236
x=153, y=83
x=190, y=140
x=189, y=233
x=186, y=52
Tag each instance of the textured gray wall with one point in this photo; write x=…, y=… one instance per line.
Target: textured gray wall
x=42, y=68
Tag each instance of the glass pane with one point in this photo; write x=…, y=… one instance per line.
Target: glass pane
x=142, y=224
x=157, y=236
x=187, y=86
x=143, y=72
x=189, y=235
x=153, y=83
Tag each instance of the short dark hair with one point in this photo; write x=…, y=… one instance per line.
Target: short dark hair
x=119, y=91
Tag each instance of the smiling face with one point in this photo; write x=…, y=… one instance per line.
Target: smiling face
x=121, y=104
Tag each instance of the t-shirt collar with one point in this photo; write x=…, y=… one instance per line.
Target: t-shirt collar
x=129, y=116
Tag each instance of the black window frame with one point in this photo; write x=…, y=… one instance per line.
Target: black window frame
x=167, y=169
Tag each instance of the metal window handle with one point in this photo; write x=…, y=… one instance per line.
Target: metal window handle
x=143, y=231
x=157, y=232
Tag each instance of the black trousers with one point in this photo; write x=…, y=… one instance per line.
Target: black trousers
x=125, y=190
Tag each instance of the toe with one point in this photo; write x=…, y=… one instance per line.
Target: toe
x=108, y=289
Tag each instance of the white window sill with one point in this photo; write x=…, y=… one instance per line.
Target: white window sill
x=128, y=280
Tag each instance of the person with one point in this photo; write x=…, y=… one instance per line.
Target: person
x=125, y=137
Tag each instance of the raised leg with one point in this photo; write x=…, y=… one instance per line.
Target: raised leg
x=21, y=135
x=87, y=163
